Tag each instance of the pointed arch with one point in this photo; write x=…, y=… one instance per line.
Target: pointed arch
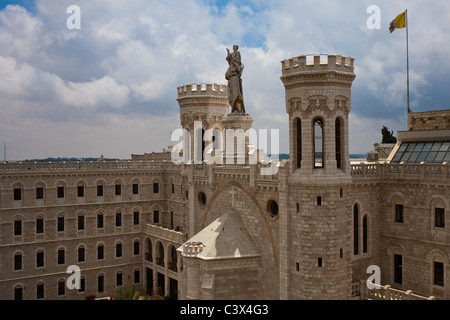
x=261, y=211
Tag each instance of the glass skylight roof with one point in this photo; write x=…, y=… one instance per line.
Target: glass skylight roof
x=417, y=152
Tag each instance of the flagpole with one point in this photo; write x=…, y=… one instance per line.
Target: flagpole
x=407, y=57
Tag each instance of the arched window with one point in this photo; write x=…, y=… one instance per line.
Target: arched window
x=338, y=143
x=318, y=144
x=365, y=234
x=173, y=259
x=149, y=253
x=160, y=254
x=355, y=229
x=203, y=145
x=298, y=141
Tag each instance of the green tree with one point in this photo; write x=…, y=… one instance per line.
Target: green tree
x=127, y=294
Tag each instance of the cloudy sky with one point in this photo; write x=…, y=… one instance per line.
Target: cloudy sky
x=110, y=87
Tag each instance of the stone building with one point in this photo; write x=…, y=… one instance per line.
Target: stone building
x=227, y=231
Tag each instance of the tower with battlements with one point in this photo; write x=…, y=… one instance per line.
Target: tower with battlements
x=318, y=101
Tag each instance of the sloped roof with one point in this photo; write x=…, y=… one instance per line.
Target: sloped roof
x=225, y=238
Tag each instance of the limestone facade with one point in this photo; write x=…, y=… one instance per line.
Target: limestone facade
x=226, y=231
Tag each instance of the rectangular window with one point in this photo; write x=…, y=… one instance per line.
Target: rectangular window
x=40, y=291
x=39, y=193
x=17, y=227
x=81, y=253
x=100, y=252
x=40, y=259
x=61, y=256
x=318, y=144
x=82, y=285
x=440, y=217
x=99, y=221
x=156, y=216
x=80, y=222
x=18, y=293
x=119, y=279
x=398, y=267
x=136, y=218
x=118, y=190
x=80, y=191
x=60, y=192
x=100, y=284
x=399, y=213
x=156, y=187
x=60, y=224
x=118, y=219
x=439, y=274
x=135, y=188
x=118, y=250
x=319, y=263
x=100, y=191
x=18, y=262
x=61, y=288
x=136, y=248
x=17, y=194
x=39, y=225
x=137, y=276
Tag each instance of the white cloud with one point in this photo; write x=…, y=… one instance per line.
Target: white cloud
x=129, y=57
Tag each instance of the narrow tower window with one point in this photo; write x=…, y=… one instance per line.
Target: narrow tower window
x=355, y=229
x=338, y=144
x=318, y=144
x=298, y=141
x=365, y=234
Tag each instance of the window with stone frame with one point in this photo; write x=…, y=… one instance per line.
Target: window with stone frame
x=18, y=227
x=399, y=213
x=439, y=214
x=135, y=188
x=60, y=192
x=39, y=225
x=17, y=194
x=438, y=273
x=318, y=143
x=39, y=259
x=18, y=261
x=39, y=193
x=60, y=224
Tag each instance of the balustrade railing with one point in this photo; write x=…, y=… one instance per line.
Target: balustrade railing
x=379, y=292
x=403, y=170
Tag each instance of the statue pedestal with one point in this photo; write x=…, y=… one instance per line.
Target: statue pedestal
x=237, y=132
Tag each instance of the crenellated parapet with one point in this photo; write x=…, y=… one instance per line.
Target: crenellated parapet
x=203, y=90
x=317, y=63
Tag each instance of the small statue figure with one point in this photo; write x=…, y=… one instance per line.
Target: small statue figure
x=233, y=75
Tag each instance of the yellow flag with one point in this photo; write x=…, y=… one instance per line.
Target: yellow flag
x=398, y=23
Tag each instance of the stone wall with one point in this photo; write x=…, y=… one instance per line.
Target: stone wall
x=28, y=176
x=430, y=120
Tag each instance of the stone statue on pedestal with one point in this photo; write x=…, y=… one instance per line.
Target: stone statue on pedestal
x=233, y=75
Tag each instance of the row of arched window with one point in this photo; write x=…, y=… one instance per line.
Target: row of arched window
x=80, y=222
x=158, y=256
x=40, y=189
x=81, y=254
x=41, y=289
x=318, y=142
